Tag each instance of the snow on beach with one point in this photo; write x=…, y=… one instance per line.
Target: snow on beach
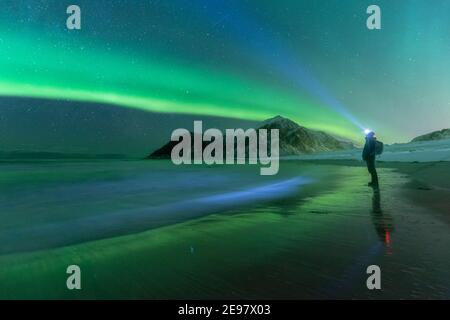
x=424, y=151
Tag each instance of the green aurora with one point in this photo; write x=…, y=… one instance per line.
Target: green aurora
x=53, y=72
x=179, y=59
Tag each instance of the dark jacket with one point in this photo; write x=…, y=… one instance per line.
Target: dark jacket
x=369, y=149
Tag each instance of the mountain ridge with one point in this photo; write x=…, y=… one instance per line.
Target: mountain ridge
x=435, y=135
x=294, y=139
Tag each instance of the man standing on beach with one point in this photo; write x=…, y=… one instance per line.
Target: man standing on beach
x=368, y=156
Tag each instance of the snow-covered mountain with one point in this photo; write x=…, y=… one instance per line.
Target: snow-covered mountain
x=294, y=140
x=435, y=135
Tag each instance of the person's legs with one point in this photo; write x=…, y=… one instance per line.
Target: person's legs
x=372, y=171
x=374, y=176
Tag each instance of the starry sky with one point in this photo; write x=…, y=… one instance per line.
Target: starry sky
x=314, y=62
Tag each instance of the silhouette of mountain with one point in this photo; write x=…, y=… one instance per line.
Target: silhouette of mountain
x=294, y=140
x=435, y=135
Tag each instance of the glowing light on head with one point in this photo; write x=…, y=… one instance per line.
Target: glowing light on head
x=367, y=131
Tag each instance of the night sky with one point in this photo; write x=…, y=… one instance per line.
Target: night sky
x=312, y=61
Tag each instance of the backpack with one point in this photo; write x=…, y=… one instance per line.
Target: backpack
x=379, y=146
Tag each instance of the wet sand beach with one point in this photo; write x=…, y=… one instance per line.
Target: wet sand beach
x=310, y=232
x=428, y=185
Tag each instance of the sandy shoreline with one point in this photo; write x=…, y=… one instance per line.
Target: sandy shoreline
x=315, y=242
x=429, y=186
